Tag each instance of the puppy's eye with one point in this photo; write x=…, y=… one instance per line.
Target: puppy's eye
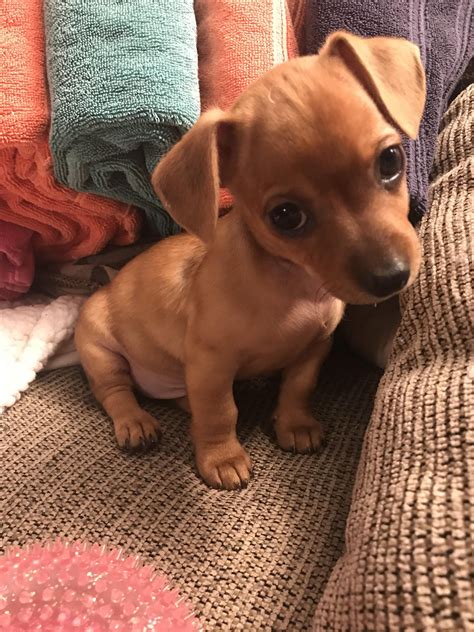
x=390, y=164
x=288, y=217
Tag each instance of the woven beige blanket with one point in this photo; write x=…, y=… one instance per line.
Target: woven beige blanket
x=409, y=555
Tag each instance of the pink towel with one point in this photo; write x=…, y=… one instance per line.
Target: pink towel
x=16, y=261
x=238, y=41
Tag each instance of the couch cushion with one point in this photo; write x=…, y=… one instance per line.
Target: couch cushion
x=408, y=537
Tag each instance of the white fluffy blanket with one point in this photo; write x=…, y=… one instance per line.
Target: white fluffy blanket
x=31, y=330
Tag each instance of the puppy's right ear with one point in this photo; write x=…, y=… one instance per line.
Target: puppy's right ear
x=188, y=178
x=390, y=70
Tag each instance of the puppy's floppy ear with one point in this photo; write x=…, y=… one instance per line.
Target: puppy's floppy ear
x=188, y=178
x=390, y=70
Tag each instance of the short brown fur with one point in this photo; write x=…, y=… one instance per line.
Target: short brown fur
x=235, y=298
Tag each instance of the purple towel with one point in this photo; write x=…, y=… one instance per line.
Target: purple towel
x=443, y=29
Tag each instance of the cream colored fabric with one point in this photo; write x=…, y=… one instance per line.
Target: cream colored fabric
x=31, y=330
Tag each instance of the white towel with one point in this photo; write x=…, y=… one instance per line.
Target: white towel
x=31, y=330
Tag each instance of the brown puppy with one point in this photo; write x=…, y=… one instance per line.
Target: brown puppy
x=311, y=153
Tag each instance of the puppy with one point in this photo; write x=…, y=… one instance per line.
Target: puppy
x=312, y=155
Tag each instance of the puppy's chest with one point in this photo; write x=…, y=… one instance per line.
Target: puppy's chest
x=305, y=320
x=283, y=334
x=305, y=316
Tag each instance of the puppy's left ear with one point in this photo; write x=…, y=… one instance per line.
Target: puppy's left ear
x=187, y=180
x=390, y=70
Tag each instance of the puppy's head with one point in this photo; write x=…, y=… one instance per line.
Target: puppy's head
x=313, y=157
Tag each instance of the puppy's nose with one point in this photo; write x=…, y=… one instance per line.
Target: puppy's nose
x=387, y=280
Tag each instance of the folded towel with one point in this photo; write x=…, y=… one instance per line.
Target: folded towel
x=124, y=88
x=17, y=265
x=31, y=330
x=238, y=41
x=66, y=225
x=23, y=93
x=444, y=31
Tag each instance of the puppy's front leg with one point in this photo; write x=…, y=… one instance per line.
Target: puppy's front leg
x=295, y=427
x=221, y=461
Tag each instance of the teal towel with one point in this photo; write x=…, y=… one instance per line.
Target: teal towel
x=123, y=80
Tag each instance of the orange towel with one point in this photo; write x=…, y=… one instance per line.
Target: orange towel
x=67, y=225
x=238, y=41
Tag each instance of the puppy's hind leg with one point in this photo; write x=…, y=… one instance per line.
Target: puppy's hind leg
x=110, y=380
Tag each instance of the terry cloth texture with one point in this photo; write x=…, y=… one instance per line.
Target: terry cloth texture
x=31, y=330
x=251, y=560
x=65, y=224
x=17, y=265
x=23, y=94
x=238, y=41
x=409, y=558
x=124, y=88
x=444, y=31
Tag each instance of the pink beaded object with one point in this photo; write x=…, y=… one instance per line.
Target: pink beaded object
x=63, y=587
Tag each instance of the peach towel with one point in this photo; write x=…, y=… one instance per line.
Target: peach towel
x=66, y=225
x=238, y=41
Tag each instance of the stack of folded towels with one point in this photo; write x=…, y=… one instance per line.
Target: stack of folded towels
x=39, y=218
x=94, y=92
x=93, y=95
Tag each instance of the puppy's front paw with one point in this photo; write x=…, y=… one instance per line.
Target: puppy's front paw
x=224, y=466
x=137, y=432
x=300, y=433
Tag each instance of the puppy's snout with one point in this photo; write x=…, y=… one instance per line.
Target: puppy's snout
x=384, y=281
